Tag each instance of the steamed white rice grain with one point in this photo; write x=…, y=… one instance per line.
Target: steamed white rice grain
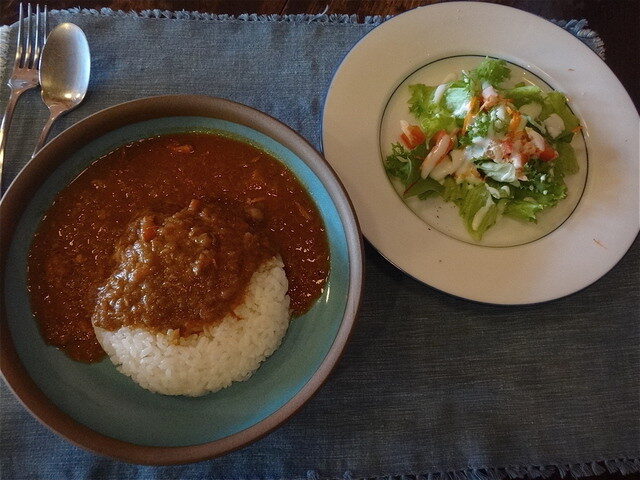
x=227, y=352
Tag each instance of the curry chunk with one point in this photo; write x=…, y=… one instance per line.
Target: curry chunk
x=190, y=268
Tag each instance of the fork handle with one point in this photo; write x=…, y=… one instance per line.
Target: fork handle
x=6, y=123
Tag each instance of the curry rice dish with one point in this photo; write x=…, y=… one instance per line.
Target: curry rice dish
x=180, y=256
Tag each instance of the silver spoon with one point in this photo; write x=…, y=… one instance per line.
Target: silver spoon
x=64, y=73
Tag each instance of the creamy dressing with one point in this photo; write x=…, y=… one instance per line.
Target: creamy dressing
x=554, y=125
x=439, y=92
x=489, y=93
x=495, y=193
x=480, y=214
x=478, y=148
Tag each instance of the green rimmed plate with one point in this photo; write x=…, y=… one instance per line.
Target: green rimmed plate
x=523, y=264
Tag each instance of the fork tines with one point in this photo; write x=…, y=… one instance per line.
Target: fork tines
x=29, y=45
x=25, y=74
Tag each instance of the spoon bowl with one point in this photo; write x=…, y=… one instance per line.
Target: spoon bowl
x=64, y=73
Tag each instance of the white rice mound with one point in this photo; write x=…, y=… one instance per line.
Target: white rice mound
x=227, y=352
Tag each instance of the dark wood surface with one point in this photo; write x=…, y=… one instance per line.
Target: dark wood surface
x=616, y=21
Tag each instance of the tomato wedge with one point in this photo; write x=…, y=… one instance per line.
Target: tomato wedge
x=548, y=154
x=412, y=137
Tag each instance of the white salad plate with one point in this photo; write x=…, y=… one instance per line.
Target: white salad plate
x=518, y=263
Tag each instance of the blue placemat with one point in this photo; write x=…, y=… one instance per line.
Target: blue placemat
x=430, y=386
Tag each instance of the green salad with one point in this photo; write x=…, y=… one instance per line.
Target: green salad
x=491, y=150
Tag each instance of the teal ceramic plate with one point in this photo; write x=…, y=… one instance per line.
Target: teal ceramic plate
x=123, y=419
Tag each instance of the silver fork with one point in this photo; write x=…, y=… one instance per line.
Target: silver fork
x=25, y=67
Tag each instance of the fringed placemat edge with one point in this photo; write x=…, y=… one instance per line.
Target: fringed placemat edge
x=577, y=27
x=624, y=466
x=580, y=30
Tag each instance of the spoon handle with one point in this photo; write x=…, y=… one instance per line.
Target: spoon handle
x=55, y=113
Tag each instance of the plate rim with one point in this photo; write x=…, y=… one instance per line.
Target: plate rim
x=93, y=126
x=447, y=9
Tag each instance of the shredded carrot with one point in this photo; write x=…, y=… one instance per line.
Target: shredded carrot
x=515, y=120
x=473, y=110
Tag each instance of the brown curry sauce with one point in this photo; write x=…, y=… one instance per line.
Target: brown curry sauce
x=72, y=254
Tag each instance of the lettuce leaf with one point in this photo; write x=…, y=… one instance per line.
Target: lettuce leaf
x=490, y=218
x=543, y=189
x=523, y=209
x=470, y=199
x=451, y=190
x=566, y=163
x=405, y=164
x=432, y=116
x=439, y=119
x=480, y=126
x=423, y=187
x=421, y=99
x=477, y=197
x=556, y=102
x=544, y=185
x=492, y=71
x=524, y=94
x=436, y=116
x=538, y=127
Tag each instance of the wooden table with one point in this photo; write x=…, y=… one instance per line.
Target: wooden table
x=615, y=20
